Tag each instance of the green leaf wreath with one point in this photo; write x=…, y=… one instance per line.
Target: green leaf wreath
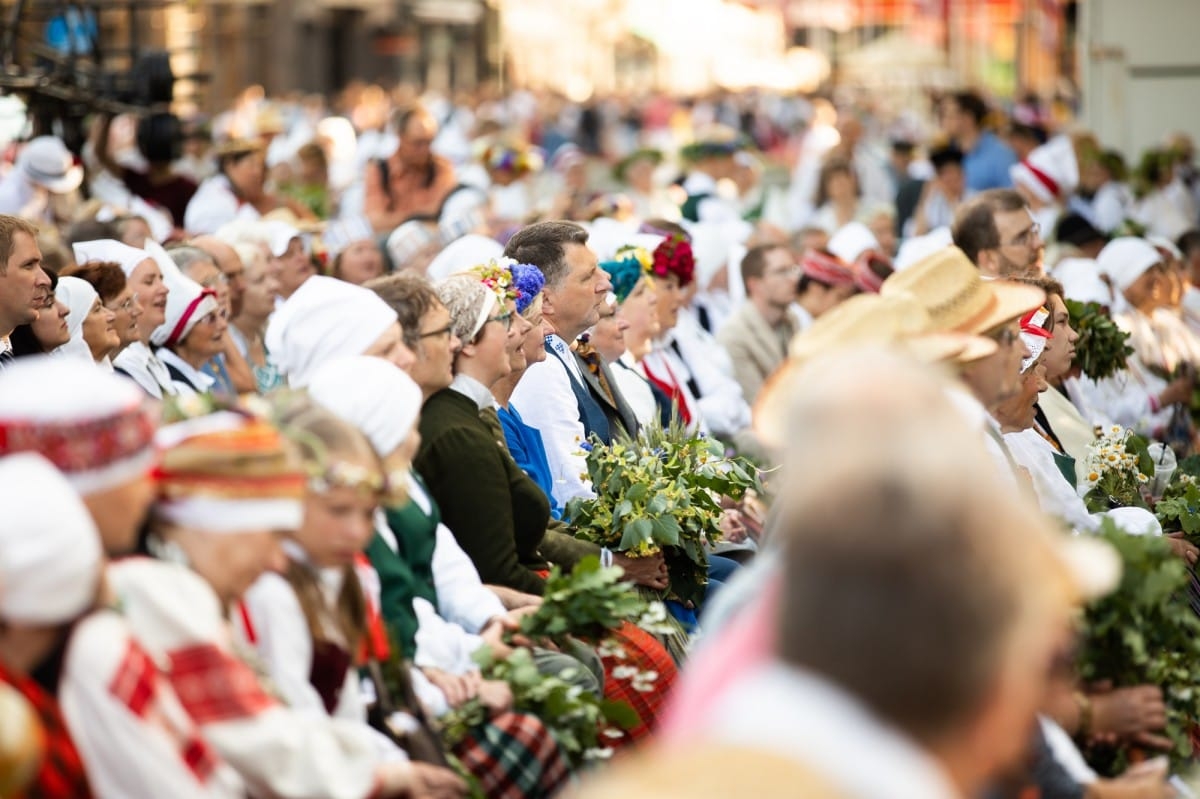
x=1103, y=348
x=1145, y=633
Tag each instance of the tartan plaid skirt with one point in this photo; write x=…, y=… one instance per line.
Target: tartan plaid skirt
x=514, y=756
x=643, y=652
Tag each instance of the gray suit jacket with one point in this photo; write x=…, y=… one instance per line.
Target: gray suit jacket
x=619, y=414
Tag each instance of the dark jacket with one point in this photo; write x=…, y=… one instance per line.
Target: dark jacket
x=497, y=513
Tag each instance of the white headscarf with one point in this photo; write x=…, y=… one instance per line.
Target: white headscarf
x=372, y=394
x=1126, y=259
x=325, y=318
x=110, y=250
x=79, y=296
x=50, y=558
x=187, y=303
x=470, y=250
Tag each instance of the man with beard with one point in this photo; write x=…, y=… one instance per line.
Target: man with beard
x=999, y=234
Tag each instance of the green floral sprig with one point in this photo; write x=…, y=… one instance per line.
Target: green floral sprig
x=1103, y=348
x=588, y=602
x=1179, y=508
x=580, y=722
x=661, y=492
x=1145, y=633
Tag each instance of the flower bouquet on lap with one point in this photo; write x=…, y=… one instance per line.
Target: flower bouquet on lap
x=661, y=492
x=1117, y=468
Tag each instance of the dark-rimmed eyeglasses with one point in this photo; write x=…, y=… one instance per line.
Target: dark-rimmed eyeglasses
x=445, y=331
x=1026, y=237
x=505, y=319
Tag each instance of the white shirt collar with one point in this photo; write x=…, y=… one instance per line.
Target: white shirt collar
x=562, y=351
x=472, y=389
x=810, y=719
x=200, y=381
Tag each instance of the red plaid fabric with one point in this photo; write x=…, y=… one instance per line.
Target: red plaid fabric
x=61, y=775
x=513, y=756
x=645, y=654
x=214, y=686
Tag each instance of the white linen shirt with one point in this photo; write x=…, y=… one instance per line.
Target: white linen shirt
x=547, y=403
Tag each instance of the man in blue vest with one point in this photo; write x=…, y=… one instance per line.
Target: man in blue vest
x=560, y=396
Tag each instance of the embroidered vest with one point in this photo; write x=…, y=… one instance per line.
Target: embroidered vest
x=590, y=412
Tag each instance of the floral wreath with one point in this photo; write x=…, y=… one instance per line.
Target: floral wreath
x=675, y=256
x=510, y=280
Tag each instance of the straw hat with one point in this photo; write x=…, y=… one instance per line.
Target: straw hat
x=237, y=147
x=957, y=297
x=896, y=321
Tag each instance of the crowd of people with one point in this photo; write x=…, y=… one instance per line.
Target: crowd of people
x=294, y=410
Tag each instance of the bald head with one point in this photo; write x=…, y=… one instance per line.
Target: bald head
x=230, y=264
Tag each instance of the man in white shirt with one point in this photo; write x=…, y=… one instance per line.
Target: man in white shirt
x=554, y=396
x=23, y=283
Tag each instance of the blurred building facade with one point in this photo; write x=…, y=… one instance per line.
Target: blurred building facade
x=581, y=47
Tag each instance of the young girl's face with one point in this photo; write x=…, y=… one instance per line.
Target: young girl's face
x=339, y=521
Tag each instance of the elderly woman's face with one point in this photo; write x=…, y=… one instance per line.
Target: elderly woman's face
x=99, y=330
x=126, y=313
x=207, y=338
x=360, y=262
x=262, y=286
x=391, y=347
x=518, y=334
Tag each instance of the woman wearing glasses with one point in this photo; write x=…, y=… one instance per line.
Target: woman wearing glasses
x=116, y=293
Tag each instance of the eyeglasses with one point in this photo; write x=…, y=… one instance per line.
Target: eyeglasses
x=124, y=307
x=1005, y=337
x=445, y=331
x=1026, y=237
x=505, y=319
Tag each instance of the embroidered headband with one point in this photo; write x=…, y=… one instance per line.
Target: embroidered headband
x=826, y=268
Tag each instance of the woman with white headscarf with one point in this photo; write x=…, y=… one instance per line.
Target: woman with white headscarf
x=191, y=334
x=144, y=272
x=93, y=335
x=327, y=318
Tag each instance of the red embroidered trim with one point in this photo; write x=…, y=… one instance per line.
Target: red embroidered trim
x=1050, y=183
x=81, y=446
x=826, y=268
x=133, y=684
x=214, y=686
x=199, y=758
x=187, y=314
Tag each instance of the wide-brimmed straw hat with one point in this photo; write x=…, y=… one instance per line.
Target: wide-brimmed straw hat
x=895, y=321
x=958, y=298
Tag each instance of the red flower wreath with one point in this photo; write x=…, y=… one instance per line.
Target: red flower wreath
x=674, y=256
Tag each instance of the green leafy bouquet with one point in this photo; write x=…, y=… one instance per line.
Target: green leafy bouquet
x=1117, y=465
x=1179, y=508
x=1103, y=348
x=1144, y=633
x=586, y=603
x=661, y=492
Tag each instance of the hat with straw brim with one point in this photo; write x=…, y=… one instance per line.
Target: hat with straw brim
x=897, y=321
x=958, y=298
